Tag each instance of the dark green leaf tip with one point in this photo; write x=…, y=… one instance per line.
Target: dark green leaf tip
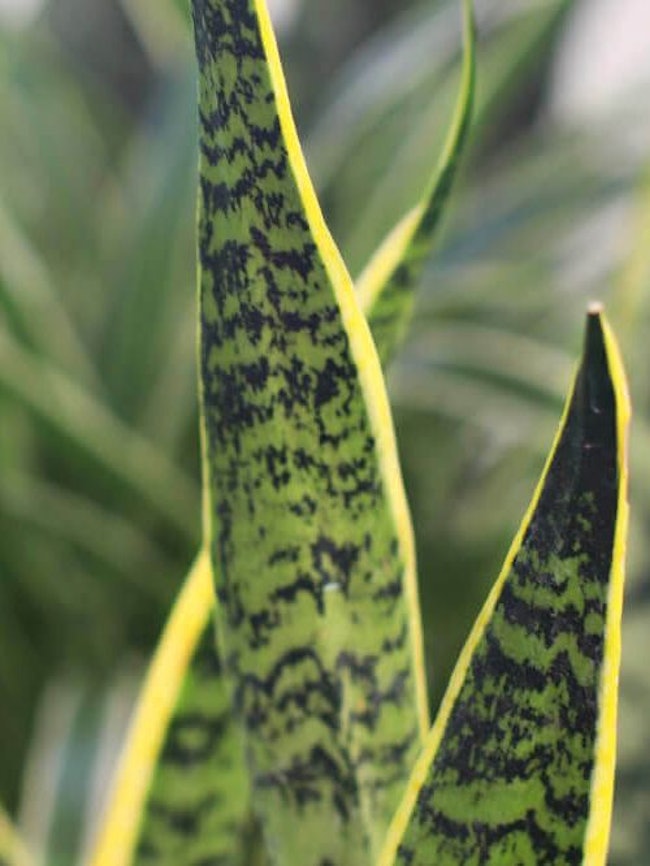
x=517, y=766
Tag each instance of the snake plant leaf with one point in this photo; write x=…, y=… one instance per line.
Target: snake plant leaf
x=388, y=307
x=519, y=765
x=164, y=829
x=306, y=517
x=386, y=286
x=198, y=803
x=181, y=793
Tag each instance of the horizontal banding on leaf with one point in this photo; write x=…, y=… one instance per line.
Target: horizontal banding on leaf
x=308, y=524
x=519, y=764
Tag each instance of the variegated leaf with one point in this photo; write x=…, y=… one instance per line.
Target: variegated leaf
x=519, y=766
x=181, y=795
x=309, y=530
x=386, y=287
x=165, y=824
x=181, y=804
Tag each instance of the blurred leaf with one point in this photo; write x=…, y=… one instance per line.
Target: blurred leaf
x=12, y=849
x=162, y=26
x=33, y=307
x=129, y=458
x=367, y=155
x=74, y=724
x=148, y=230
x=107, y=537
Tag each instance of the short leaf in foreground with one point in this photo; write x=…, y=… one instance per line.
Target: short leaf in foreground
x=519, y=766
x=180, y=791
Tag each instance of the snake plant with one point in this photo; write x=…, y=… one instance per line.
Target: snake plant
x=285, y=717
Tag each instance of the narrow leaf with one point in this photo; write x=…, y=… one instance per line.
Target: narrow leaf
x=386, y=286
x=180, y=792
x=519, y=765
x=32, y=306
x=42, y=507
x=309, y=530
x=197, y=806
x=74, y=414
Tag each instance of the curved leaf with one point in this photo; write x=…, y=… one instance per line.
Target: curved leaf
x=198, y=803
x=519, y=765
x=309, y=530
x=180, y=792
x=386, y=286
x=441, y=186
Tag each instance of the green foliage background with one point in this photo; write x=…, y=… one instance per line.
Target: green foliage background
x=99, y=494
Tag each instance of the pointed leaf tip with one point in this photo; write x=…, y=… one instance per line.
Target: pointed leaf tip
x=386, y=287
x=519, y=765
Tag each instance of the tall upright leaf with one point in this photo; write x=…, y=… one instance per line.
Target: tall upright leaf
x=386, y=286
x=519, y=765
x=307, y=521
x=163, y=830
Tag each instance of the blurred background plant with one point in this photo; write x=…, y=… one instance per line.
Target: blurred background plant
x=99, y=489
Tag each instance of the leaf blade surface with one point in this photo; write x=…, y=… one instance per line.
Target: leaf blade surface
x=386, y=286
x=519, y=764
x=181, y=791
x=307, y=517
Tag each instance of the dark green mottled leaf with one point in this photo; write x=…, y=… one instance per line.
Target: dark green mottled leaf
x=198, y=799
x=519, y=765
x=181, y=792
x=308, y=527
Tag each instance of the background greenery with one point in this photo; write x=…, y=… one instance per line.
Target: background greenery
x=99, y=491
